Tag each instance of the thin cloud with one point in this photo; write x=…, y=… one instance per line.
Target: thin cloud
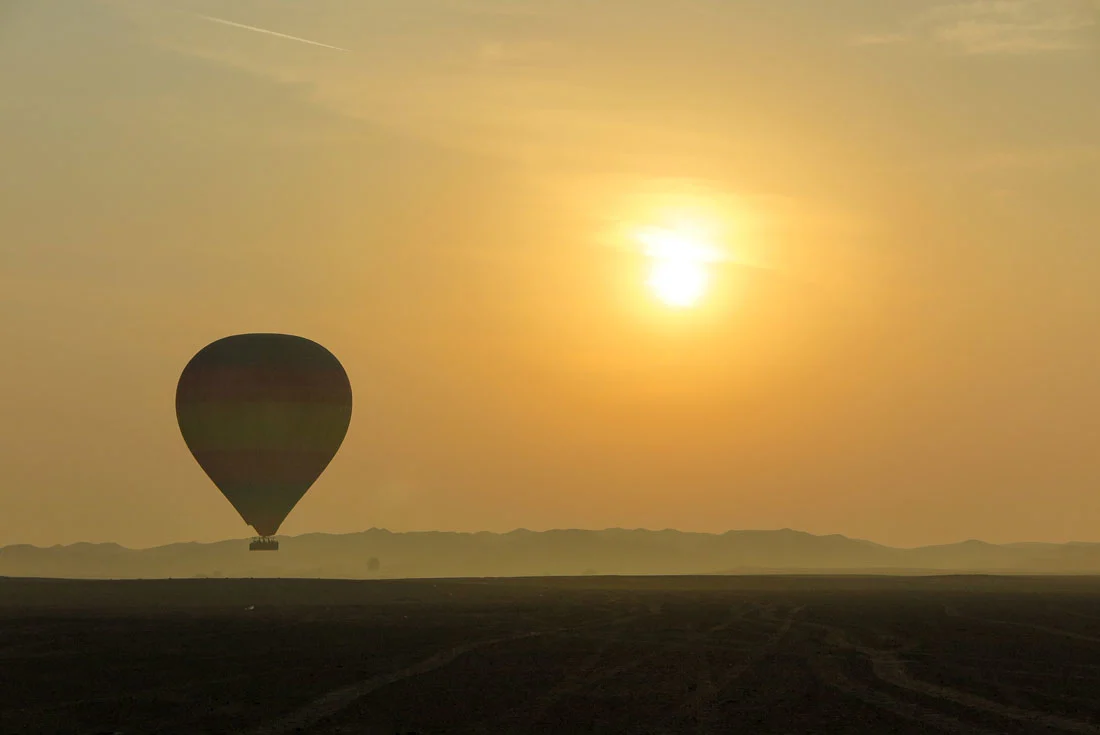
x=880, y=39
x=1069, y=156
x=269, y=33
x=497, y=8
x=987, y=27
x=1011, y=26
x=520, y=52
x=1037, y=159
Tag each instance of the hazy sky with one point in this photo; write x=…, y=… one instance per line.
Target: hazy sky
x=903, y=344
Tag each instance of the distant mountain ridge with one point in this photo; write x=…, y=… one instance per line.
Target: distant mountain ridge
x=536, y=553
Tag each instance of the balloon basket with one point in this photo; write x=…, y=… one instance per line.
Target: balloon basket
x=263, y=544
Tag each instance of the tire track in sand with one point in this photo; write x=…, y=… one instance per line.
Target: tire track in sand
x=586, y=673
x=831, y=674
x=336, y=700
x=333, y=702
x=890, y=669
x=702, y=705
x=953, y=612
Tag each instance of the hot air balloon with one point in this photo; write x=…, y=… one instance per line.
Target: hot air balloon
x=263, y=414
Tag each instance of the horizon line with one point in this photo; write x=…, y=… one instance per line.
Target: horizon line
x=552, y=530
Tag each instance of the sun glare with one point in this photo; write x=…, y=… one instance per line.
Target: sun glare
x=678, y=275
x=679, y=283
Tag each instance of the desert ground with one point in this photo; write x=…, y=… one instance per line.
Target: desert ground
x=552, y=655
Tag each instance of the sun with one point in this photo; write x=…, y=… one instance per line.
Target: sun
x=678, y=274
x=678, y=283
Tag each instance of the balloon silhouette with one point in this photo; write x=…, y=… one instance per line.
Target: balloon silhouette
x=263, y=414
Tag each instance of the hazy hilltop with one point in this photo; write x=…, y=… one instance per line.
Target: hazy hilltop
x=529, y=553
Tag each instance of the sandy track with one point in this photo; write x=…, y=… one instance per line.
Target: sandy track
x=890, y=669
x=702, y=705
x=337, y=700
x=589, y=672
x=830, y=673
x=953, y=612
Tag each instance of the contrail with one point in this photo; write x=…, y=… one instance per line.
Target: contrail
x=270, y=33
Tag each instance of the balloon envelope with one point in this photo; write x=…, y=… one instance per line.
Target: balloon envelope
x=263, y=414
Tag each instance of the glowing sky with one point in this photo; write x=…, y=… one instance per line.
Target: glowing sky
x=898, y=342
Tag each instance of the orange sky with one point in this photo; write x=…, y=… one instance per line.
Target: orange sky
x=901, y=344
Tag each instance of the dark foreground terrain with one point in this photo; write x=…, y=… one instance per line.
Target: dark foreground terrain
x=568, y=655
